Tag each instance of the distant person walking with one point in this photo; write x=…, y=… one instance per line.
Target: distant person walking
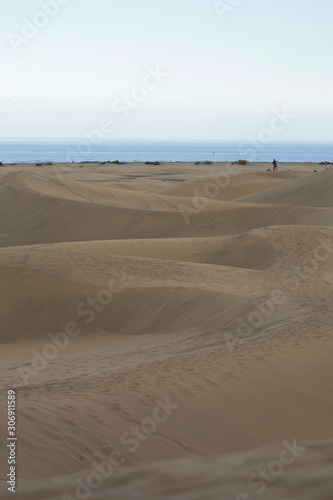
x=275, y=166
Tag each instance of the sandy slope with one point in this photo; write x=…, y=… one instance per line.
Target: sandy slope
x=224, y=312
x=311, y=191
x=236, y=186
x=307, y=477
x=43, y=208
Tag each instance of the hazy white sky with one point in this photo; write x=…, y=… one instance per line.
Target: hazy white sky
x=226, y=73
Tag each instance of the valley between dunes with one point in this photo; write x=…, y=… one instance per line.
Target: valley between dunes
x=175, y=318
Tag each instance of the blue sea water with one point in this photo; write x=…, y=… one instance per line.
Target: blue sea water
x=81, y=150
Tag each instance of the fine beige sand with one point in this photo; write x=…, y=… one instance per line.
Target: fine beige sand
x=168, y=330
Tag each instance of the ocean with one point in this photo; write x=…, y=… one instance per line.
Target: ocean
x=82, y=150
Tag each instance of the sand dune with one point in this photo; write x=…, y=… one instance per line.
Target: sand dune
x=313, y=191
x=45, y=209
x=236, y=186
x=213, y=479
x=50, y=278
x=125, y=295
x=247, y=250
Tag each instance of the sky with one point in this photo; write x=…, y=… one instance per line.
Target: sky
x=157, y=69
